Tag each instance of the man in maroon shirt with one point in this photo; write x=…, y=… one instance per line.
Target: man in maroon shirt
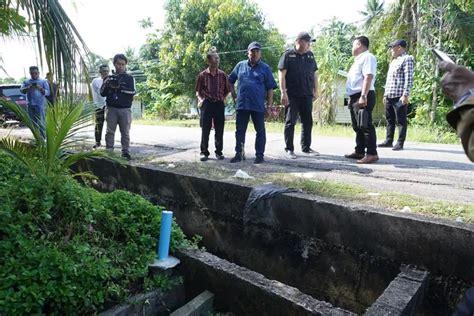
x=211, y=90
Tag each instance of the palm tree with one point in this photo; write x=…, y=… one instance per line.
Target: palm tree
x=54, y=154
x=373, y=9
x=59, y=42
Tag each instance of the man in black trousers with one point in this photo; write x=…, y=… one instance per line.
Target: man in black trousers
x=299, y=88
x=397, y=91
x=212, y=88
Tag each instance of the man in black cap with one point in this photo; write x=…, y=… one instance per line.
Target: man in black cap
x=397, y=92
x=299, y=88
x=256, y=84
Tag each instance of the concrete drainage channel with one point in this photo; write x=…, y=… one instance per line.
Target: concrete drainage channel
x=296, y=254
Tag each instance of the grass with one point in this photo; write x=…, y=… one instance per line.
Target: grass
x=350, y=193
x=416, y=133
x=388, y=200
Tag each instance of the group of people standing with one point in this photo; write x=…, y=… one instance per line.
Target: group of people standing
x=299, y=89
x=113, y=96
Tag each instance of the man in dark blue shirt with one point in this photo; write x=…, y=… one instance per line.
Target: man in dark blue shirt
x=36, y=90
x=299, y=88
x=256, y=83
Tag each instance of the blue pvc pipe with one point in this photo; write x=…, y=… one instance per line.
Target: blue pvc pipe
x=165, y=235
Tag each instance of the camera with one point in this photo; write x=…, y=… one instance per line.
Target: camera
x=113, y=81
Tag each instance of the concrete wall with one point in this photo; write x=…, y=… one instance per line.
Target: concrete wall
x=338, y=253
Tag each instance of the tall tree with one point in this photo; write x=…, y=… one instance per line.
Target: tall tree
x=373, y=9
x=192, y=27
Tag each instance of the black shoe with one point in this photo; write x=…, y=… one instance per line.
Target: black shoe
x=126, y=156
x=310, y=152
x=398, y=147
x=97, y=145
x=204, y=157
x=258, y=160
x=354, y=155
x=385, y=144
x=237, y=158
x=220, y=156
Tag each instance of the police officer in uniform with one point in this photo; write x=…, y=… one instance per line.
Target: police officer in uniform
x=299, y=88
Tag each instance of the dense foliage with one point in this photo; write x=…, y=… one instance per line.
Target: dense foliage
x=177, y=53
x=445, y=24
x=67, y=249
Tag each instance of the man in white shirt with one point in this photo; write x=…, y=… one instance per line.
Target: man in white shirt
x=360, y=87
x=99, y=102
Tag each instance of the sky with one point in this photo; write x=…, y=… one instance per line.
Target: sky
x=110, y=26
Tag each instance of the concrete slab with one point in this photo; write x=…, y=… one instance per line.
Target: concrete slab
x=200, y=305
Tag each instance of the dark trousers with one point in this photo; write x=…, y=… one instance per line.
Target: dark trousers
x=395, y=116
x=242, y=121
x=365, y=138
x=302, y=106
x=99, y=123
x=212, y=111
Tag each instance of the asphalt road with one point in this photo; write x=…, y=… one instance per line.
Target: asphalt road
x=429, y=170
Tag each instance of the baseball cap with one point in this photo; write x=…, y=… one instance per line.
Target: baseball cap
x=398, y=42
x=254, y=45
x=305, y=37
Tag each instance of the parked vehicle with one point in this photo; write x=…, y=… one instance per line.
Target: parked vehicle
x=12, y=93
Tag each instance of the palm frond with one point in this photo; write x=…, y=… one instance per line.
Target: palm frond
x=75, y=157
x=24, y=118
x=59, y=42
x=21, y=151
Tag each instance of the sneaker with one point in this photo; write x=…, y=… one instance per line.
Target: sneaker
x=237, y=158
x=397, y=147
x=290, y=154
x=258, y=160
x=354, y=155
x=311, y=152
x=368, y=159
x=204, y=157
x=220, y=156
x=97, y=145
x=126, y=156
x=385, y=144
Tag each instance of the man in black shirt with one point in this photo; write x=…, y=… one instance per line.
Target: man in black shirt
x=119, y=90
x=299, y=88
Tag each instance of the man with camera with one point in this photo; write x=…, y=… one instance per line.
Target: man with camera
x=99, y=102
x=36, y=90
x=119, y=89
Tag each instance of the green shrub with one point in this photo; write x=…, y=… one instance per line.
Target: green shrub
x=67, y=249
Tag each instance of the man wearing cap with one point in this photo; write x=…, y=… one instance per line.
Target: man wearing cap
x=360, y=87
x=397, y=91
x=256, y=84
x=212, y=88
x=299, y=88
